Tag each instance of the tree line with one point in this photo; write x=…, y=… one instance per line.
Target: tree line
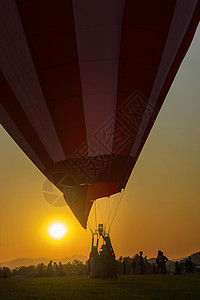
x=79, y=268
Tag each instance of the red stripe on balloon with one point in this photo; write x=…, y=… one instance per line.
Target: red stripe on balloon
x=50, y=32
x=144, y=35
x=14, y=110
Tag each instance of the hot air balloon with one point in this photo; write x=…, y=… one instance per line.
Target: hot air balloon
x=82, y=82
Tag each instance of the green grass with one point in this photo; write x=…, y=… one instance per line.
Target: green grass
x=159, y=287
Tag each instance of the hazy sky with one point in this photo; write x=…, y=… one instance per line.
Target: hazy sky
x=161, y=204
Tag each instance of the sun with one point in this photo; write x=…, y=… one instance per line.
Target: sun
x=57, y=230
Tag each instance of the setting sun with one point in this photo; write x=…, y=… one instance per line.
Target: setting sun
x=57, y=230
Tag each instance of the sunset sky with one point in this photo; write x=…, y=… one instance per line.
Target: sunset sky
x=161, y=203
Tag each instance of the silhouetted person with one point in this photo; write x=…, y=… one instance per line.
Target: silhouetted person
x=60, y=267
x=188, y=265
x=55, y=269
x=41, y=270
x=141, y=263
x=124, y=268
x=133, y=267
x=177, y=268
x=50, y=268
x=154, y=268
x=164, y=259
x=159, y=262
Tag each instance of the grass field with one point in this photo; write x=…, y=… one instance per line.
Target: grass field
x=159, y=287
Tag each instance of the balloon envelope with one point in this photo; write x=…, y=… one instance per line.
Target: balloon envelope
x=82, y=82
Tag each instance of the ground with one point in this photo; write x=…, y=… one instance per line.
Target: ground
x=157, y=287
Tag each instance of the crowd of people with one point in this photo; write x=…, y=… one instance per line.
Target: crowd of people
x=55, y=269
x=184, y=267
x=103, y=264
x=139, y=264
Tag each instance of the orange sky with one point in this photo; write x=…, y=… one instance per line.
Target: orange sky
x=161, y=204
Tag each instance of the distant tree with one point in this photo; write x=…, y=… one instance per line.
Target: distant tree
x=24, y=271
x=76, y=267
x=127, y=260
x=5, y=272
